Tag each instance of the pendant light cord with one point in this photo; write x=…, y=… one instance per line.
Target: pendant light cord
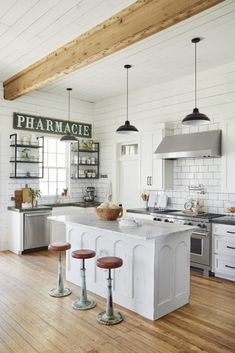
x=69, y=106
x=127, y=89
x=195, y=78
x=69, y=91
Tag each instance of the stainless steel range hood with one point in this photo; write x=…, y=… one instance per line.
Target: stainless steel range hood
x=200, y=144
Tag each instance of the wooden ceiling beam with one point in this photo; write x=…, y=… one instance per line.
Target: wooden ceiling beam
x=136, y=22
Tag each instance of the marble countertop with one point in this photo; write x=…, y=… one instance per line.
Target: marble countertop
x=147, y=230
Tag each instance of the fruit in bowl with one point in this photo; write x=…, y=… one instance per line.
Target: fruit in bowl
x=108, y=211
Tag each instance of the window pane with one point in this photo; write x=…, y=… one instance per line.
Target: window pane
x=51, y=159
x=52, y=145
x=61, y=187
x=44, y=188
x=52, y=188
x=62, y=175
x=61, y=160
x=61, y=147
x=55, y=166
x=52, y=174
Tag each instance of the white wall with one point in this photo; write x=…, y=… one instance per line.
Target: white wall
x=36, y=103
x=170, y=103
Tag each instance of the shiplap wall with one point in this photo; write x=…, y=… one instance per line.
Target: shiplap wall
x=36, y=103
x=169, y=103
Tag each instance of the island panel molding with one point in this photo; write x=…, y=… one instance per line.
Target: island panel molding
x=27, y=122
x=131, y=25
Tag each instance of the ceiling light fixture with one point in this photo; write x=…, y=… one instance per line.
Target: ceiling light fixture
x=68, y=137
x=127, y=128
x=195, y=118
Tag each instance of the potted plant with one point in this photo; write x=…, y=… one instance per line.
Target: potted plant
x=36, y=194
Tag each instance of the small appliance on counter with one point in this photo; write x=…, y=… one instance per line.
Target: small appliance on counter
x=89, y=194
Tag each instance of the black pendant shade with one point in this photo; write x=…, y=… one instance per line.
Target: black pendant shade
x=195, y=118
x=127, y=128
x=68, y=137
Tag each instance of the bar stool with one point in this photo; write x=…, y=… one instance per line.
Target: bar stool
x=83, y=303
x=59, y=291
x=109, y=316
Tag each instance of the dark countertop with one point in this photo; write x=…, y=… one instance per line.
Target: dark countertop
x=32, y=209
x=225, y=220
x=53, y=205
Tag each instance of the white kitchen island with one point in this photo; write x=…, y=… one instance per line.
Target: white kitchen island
x=155, y=277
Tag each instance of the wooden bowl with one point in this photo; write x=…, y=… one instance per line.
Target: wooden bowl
x=109, y=214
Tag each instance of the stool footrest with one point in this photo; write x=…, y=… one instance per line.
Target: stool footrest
x=104, y=319
x=83, y=305
x=57, y=293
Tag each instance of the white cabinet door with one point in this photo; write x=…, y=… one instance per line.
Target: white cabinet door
x=228, y=156
x=156, y=174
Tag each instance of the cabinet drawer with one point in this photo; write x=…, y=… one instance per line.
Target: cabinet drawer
x=225, y=267
x=224, y=245
x=223, y=229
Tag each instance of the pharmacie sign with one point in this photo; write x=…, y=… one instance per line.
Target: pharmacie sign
x=51, y=126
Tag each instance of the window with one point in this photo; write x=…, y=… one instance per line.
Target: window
x=55, y=167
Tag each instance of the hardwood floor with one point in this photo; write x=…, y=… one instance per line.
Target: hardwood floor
x=31, y=321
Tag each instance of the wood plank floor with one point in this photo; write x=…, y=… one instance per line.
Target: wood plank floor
x=31, y=321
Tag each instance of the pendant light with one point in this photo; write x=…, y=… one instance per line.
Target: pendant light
x=68, y=137
x=195, y=118
x=127, y=128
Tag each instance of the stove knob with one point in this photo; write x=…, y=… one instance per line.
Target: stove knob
x=171, y=222
x=166, y=220
x=155, y=219
x=203, y=226
x=185, y=223
x=159, y=219
x=190, y=224
x=199, y=225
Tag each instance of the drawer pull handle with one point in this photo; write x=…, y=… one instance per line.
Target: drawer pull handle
x=230, y=267
x=230, y=247
x=228, y=231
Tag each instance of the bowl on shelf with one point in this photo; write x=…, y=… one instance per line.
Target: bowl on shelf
x=109, y=214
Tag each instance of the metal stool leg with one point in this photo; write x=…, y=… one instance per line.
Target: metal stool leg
x=109, y=317
x=83, y=303
x=60, y=291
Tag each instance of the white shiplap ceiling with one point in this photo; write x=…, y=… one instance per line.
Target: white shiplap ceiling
x=31, y=29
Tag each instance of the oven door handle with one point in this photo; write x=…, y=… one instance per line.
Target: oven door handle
x=204, y=235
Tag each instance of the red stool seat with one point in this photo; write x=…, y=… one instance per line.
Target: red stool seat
x=109, y=262
x=59, y=246
x=83, y=254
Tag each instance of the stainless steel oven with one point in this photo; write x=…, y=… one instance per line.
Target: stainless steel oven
x=200, y=249
x=201, y=238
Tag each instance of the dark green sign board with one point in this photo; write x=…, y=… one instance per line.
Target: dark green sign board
x=51, y=126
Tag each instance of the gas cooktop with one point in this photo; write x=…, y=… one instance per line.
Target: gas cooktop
x=187, y=214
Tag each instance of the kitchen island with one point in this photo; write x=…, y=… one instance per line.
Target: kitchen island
x=154, y=279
